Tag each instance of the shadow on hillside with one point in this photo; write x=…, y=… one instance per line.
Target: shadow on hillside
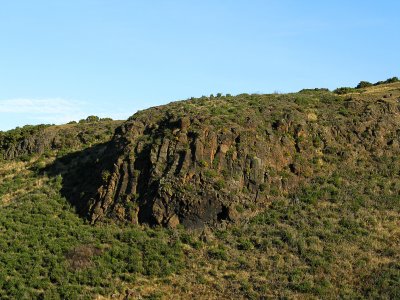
x=81, y=173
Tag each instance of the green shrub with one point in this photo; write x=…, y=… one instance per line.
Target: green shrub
x=209, y=173
x=105, y=175
x=203, y=163
x=389, y=80
x=245, y=244
x=58, y=255
x=91, y=119
x=218, y=253
x=344, y=90
x=363, y=84
x=220, y=184
x=383, y=283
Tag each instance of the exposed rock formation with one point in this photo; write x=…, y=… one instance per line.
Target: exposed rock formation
x=38, y=139
x=201, y=161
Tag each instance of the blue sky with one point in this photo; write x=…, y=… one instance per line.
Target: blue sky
x=64, y=60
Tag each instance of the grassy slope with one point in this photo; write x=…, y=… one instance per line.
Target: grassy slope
x=47, y=250
x=340, y=238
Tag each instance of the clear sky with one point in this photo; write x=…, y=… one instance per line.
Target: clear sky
x=62, y=60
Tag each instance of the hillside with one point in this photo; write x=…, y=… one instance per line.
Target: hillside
x=22, y=143
x=194, y=162
x=248, y=196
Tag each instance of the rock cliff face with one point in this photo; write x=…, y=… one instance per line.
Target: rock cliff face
x=29, y=145
x=205, y=160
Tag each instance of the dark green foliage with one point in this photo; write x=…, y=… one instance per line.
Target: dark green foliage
x=25, y=142
x=314, y=90
x=245, y=244
x=46, y=251
x=106, y=119
x=392, y=80
x=363, y=84
x=334, y=235
x=218, y=252
x=344, y=90
x=383, y=283
x=13, y=136
x=91, y=119
x=389, y=80
x=220, y=184
x=344, y=111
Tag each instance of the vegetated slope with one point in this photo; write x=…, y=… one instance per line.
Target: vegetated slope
x=194, y=162
x=30, y=140
x=301, y=190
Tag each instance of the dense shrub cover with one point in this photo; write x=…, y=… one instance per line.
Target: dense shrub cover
x=47, y=251
x=334, y=236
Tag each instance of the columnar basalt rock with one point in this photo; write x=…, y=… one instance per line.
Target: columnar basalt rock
x=180, y=164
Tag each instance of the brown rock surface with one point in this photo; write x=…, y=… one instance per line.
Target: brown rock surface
x=192, y=162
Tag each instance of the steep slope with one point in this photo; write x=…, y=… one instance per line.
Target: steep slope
x=207, y=160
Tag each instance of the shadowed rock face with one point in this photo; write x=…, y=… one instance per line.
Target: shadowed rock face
x=171, y=172
x=178, y=172
x=29, y=145
x=184, y=164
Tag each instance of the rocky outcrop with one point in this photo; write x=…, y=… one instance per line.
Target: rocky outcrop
x=186, y=164
x=35, y=140
x=34, y=144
